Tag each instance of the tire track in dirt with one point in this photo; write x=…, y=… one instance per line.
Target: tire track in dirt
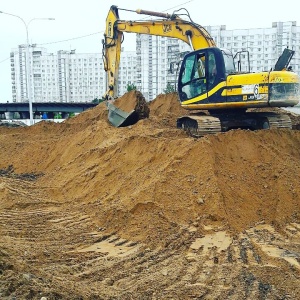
x=145, y=212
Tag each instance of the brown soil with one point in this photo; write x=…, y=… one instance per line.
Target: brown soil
x=90, y=211
x=133, y=100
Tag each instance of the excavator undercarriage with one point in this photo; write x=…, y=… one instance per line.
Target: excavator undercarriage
x=200, y=125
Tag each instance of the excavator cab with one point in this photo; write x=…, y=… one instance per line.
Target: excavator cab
x=201, y=72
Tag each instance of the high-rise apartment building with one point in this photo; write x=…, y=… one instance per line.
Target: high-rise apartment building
x=127, y=71
x=66, y=76
x=155, y=57
x=265, y=45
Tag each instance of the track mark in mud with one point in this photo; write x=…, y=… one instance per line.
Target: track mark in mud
x=274, y=244
x=30, y=225
x=289, y=256
x=112, y=246
x=215, y=246
x=71, y=220
x=248, y=247
x=293, y=230
x=9, y=172
x=218, y=259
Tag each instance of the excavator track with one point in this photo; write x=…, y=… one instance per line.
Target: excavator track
x=279, y=121
x=199, y=126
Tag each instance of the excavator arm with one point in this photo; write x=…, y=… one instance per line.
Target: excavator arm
x=170, y=25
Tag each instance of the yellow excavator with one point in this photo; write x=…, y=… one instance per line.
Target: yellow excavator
x=208, y=79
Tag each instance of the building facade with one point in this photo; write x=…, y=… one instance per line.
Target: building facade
x=157, y=60
x=127, y=71
x=265, y=45
x=65, y=76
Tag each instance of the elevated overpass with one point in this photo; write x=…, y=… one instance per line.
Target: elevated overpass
x=49, y=109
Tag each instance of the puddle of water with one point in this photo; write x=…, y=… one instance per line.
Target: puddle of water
x=220, y=239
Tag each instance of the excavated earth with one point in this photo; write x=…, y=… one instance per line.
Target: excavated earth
x=89, y=211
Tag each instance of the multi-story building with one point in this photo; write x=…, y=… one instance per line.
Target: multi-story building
x=156, y=56
x=265, y=45
x=127, y=71
x=65, y=76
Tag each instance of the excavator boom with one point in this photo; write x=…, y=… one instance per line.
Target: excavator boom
x=171, y=26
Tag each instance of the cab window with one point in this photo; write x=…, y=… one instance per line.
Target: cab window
x=212, y=70
x=193, y=76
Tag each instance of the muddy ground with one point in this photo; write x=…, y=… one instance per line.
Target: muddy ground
x=89, y=211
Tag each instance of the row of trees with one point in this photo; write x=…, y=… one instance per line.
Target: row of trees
x=169, y=89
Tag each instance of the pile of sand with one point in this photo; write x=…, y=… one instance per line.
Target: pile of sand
x=133, y=100
x=147, y=212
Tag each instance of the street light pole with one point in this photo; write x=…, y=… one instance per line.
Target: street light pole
x=28, y=69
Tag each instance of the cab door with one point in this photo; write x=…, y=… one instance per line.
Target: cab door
x=199, y=75
x=192, y=76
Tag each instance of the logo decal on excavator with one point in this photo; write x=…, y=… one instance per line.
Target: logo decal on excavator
x=167, y=28
x=109, y=29
x=252, y=91
x=278, y=79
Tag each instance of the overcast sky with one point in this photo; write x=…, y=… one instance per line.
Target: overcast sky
x=80, y=24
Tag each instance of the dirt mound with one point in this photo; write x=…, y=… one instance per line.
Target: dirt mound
x=165, y=110
x=90, y=211
x=166, y=104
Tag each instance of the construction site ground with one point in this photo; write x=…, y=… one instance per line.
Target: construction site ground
x=90, y=211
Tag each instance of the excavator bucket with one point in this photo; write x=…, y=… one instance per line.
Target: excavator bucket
x=128, y=109
x=120, y=118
